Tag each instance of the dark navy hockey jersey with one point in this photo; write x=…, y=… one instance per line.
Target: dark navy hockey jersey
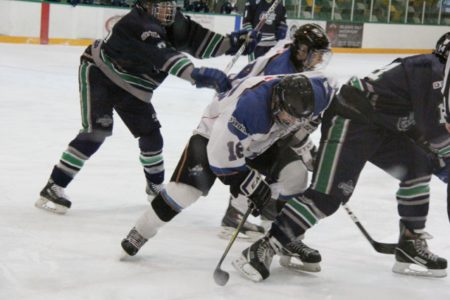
x=255, y=9
x=139, y=52
x=410, y=89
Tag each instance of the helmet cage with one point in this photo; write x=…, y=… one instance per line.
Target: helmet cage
x=164, y=12
x=443, y=47
x=315, y=39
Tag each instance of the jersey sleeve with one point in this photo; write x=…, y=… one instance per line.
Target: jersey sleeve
x=446, y=91
x=188, y=36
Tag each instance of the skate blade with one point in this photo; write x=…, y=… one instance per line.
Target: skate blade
x=245, y=269
x=297, y=265
x=417, y=270
x=43, y=203
x=124, y=256
x=249, y=236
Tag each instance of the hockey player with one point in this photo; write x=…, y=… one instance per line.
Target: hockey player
x=443, y=46
x=121, y=72
x=308, y=50
x=234, y=142
x=273, y=30
x=382, y=118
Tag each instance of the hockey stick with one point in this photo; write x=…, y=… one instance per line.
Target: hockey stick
x=257, y=28
x=221, y=277
x=379, y=247
x=448, y=195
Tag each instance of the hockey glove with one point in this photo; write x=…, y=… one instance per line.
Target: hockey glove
x=256, y=189
x=211, y=78
x=237, y=38
x=441, y=172
x=307, y=152
x=281, y=32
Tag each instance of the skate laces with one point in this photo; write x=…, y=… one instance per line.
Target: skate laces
x=298, y=247
x=421, y=246
x=58, y=191
x=153, y=188
x=265, y=252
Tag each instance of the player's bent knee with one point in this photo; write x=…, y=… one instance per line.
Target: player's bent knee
x=326, y=204
x=293, y=179
x=173, y=199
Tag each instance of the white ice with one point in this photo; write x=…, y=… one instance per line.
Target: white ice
x=76, y=256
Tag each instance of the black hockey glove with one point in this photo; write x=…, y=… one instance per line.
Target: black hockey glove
x=238, y=38
x=211, y=78
x=307, y=152
x=256, y=189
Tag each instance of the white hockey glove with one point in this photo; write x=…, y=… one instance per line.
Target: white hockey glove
x=307, y=152
x=256, y=189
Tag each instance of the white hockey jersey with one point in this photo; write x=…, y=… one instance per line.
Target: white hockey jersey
x=241, y=126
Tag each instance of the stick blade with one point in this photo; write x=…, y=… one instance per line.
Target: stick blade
x=221, y=277
x=384, y=248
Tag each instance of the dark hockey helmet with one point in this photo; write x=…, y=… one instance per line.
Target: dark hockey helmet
x=162, y=10
x=443, y=47
x=294, y=94
x=311, y=35
x=310, y=48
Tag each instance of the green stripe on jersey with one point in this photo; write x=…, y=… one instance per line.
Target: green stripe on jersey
x=179, y=65
x=129, y=78
x=84, y=94
x=330, y=151
x=212, y=45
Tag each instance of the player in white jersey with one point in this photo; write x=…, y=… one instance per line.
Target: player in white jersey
x=308, y=50
x=231, y=143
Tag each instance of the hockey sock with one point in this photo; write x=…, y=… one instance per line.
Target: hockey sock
x=73, y=159
x=413, y=200
x=151, y=157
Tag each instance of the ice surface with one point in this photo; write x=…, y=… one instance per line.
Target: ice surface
x=76, y=256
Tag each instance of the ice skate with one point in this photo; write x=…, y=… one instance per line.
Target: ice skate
x=254, y=263
x=413, y=256
x=299, y=257
x=249, y=231
x=53, y=199
x=133, y=242
x=152, y=190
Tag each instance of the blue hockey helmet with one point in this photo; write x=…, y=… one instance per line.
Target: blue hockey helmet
x=294, y=94
x=162, y=10
x=443, y=47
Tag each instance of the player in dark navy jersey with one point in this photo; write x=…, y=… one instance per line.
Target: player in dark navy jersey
x=274, y=29
x=121, y=72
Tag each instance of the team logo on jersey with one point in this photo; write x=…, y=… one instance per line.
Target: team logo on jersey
x=405, y=123
x=105, y=121
x=269, y=17
x=347, y=187
x=437, y=85
x=239, y=126
x=145, y=35
x=196, y=170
